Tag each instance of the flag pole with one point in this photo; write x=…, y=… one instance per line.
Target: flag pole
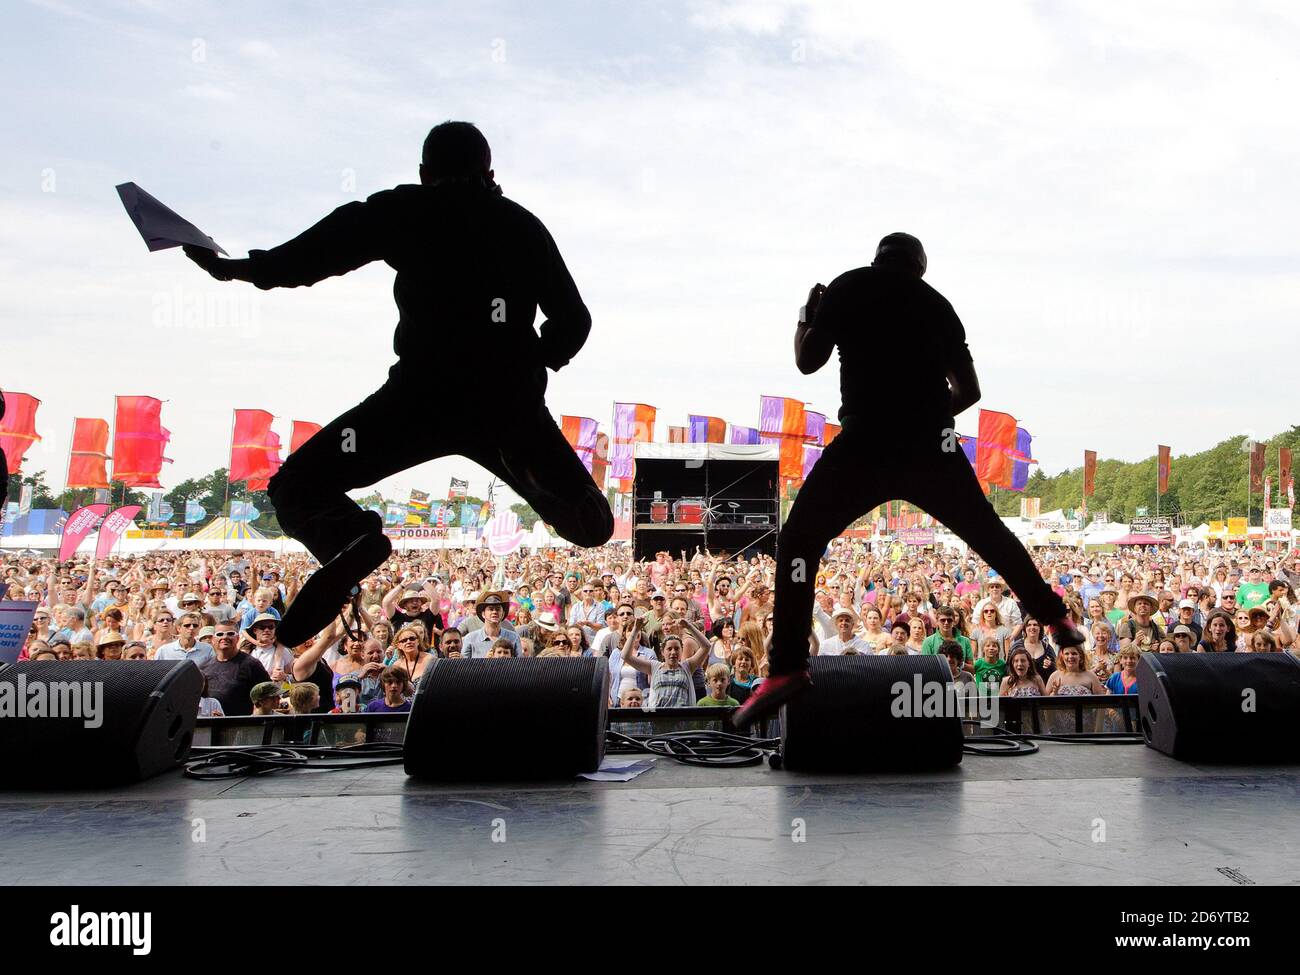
x=225, y=502
x=68, y=474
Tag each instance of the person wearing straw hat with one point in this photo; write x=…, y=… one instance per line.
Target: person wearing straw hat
x=1141, y=626
x=491, y=609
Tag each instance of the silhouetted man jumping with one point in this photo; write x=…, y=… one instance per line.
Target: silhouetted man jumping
x=857, y=471
x=472, y=270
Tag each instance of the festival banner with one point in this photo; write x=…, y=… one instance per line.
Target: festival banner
x=832, y=431
x=1089, y=473
x=1162, y=469
x=18, y=428
x=194, y=512
x=744, y=435
x=783, y=421
x=811, y=455
x=254, y=448
x=25, y=494
x=301, y=432
x=1020, y=460
x=458, y=489
x=88, y=459
x=139, y=439
x=707, y=429
x=1030, y=508
x=117, y=522
x=1258, y=455
x=600, y=460
x=815, y=428
x=633, y=423
x=80, y=524
x=580, y=433
x=468, y=515
x=995, y=441
x=243, y=511
x=419, y=502
x=677, y=435
x=15, y=623
x=1236, y=529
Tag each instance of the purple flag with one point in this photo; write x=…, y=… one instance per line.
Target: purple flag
x=743, y=434
x=811, y=454
x=624, y=432
x=816, y=428
x=1020, y=467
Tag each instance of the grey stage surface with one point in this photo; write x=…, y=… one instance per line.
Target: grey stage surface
x=993, y=821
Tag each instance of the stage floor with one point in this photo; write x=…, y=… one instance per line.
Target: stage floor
x=1072, y=814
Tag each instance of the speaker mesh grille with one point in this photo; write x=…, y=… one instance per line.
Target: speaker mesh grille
x=847, y=721
x=516, y=718
x=138, y=734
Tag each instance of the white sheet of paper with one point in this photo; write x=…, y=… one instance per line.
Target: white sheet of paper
x=159, y=225
x=622, y=768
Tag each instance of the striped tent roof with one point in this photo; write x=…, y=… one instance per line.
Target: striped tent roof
x=223, y=529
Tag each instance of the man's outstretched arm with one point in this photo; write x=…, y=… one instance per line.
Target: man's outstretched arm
x=345, y=240
x=965, y=386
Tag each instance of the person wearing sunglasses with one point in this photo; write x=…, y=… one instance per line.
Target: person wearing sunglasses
x=186, y=645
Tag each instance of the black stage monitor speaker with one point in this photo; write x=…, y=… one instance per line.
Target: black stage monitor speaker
x=1221, y=707
x=517, y=718
x=868, y=713
x=82, y=723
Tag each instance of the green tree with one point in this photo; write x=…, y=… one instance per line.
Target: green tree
x=41, y=496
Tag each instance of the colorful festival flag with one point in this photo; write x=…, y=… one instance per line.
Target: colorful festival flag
x=783, y=421
x=633, y=423
x=1089, y=472
x=254, y=448
x=88, y=459
x=301, y=432
x=139, y=439
x=114, y=525
x=744, y=435
x=18, y=428
x=79, y=524
x=706, y=429
x=580, y=432
x=1162, y=469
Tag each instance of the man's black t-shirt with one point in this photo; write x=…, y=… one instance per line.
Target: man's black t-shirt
x=470, y=264
x=891, y=318
x=230, y=681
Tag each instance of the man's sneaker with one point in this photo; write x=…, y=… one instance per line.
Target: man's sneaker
x=1067, y=634
x=769, y=697
x=330, y=587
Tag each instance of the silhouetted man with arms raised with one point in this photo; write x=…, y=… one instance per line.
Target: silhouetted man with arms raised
x=472, y=269
x=855, y=473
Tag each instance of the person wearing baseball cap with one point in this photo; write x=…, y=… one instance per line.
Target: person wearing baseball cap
x=265, y=697
x=491, y=609
x=1186, y=616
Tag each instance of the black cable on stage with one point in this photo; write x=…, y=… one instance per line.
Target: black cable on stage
x=226, y=763
x=710, y=749
x=1003, y=744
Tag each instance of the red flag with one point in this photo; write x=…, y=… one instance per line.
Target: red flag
x=1258, y=455
x=139, y=439
x=87, y=466
x=18, y=428
x=79, y=524
x=254, y=448
x=111, y=530
x=1089, y=472
x=994, y=443
x=1162, y=469
x=302, y=432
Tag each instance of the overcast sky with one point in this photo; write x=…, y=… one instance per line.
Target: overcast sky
x=1105, y=190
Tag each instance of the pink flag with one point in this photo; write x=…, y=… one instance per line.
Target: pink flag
x=79, y=524
x=116, y=523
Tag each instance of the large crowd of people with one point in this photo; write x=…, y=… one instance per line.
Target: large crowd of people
x=681, y=630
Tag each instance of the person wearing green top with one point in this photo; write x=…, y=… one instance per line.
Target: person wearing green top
x=990, y=668
x=717, y=677
x=946, y=620
x=1252, y=592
